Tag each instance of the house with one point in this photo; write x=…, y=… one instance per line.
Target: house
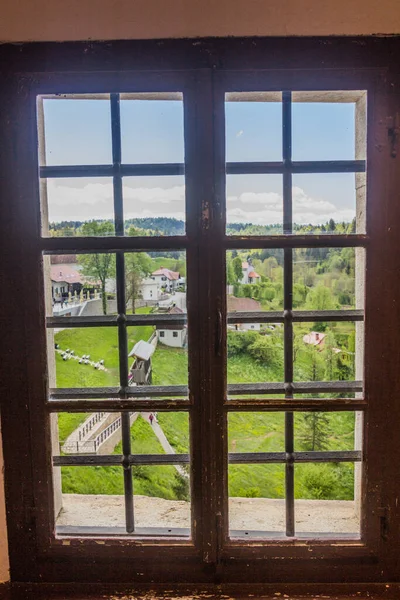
x=166, y=279
x=64, y=279
x=315, y=338
x=173, y=335
x=149, y=289
x=243, y=305
x=249, y=274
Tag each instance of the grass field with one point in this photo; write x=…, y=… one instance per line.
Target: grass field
x=247, y=432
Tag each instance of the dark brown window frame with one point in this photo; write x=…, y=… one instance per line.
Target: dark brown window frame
x=204, y=70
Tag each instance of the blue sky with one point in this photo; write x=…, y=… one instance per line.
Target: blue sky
x=79, y=132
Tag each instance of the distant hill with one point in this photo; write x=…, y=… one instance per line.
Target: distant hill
x=170, y=226
x=158, y=225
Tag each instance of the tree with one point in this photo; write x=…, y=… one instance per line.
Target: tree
x=320, y=298
x=99, y=266
x=315, y=431
x=137, y=266
x=237, y=268
x=331, y=357
x=230, y=273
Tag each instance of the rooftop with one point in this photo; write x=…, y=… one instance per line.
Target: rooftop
x=172, y=275
x=242, y=304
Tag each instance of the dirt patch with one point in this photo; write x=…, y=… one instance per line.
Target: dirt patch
x=260, y=514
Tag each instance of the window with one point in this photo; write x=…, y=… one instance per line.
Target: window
x=263, y=432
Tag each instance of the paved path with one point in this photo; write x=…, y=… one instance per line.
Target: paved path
x=163, y=441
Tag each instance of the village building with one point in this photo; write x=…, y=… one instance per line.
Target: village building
x=173, y=335
x=243, y=305
x=249, y=274
x=166, y=279
x=64, y=280
x=315, y=338
x=149, y=290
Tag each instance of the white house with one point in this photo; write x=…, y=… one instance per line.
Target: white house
x=166, y=279
x=64, y=279
x=243, y=305
x=174, y=335
x=149, y=289
x=249, y=274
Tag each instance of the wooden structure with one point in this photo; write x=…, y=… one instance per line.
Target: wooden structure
x=140, y=371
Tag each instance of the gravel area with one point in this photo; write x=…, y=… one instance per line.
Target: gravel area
x=263, y=514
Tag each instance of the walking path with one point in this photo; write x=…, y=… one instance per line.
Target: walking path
x=163, y=441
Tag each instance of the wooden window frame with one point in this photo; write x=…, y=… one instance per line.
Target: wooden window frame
x=203, y=71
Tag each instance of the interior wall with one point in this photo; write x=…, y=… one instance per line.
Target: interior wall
x=3, y=530
x=57, y=20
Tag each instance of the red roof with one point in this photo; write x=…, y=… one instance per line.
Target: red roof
x=315, y=338
x=175, y=310
x=60, y=273
x=254, y=275
x=173, y=275
x=242, y=304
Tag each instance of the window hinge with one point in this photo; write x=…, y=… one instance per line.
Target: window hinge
x=394, y=133
x=382, y=513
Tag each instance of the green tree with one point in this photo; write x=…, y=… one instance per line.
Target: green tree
x=320, y=298
x=137, y=266
x=99, y=266
x=237, y=268
x=230, y=273
x=330, y=355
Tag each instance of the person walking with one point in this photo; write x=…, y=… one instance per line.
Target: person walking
x=151, y=417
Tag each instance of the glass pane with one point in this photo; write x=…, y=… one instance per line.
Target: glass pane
x=85, y=357
x=152, y=128
x=154, y=205
x=77, y=131
x=80, y=285
x=254, y=204
x=256, y=432
x=327, y=499
x=325, y=203
x=326, y=278
x=77, y=206
x=155, y=359
x=254, y=282
x=253, y=126
x=162, y=500
x=91, y=497
x=325, y=431
x=256, y=500
x=324, y=352
x=324, y=125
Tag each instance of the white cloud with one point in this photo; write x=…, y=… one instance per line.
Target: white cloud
x=78, y=201
x=239, y=133
x=267, y=208
x=95, y=201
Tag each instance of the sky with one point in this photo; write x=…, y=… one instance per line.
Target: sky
x=78, y=132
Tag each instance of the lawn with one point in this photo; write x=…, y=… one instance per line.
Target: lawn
x=247, y=432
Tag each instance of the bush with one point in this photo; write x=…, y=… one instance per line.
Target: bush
x=319, y=482
x=266, y=349
x=239, y=341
